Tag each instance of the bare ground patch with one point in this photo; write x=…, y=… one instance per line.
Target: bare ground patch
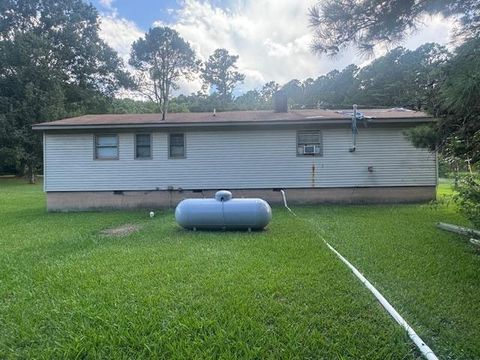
x=122, y=230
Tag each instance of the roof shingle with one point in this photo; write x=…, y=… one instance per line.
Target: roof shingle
x=229, y=117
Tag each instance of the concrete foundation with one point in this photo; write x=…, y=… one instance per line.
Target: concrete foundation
x=98, y=200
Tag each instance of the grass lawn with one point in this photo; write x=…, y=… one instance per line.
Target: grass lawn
x=67, y=291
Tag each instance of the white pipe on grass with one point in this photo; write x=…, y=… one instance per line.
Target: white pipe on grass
x=424, y=348
x=458, y=229
x=284, y=196
x=475, y=241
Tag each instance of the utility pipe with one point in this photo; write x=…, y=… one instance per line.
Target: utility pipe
x=424, y=348
x=458, y=229
x=354, y=129
x=284, y=196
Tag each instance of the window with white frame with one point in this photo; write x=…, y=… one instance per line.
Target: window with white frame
x=176, y=146
x=143, y=146
x=106, y=147
x=309, y=143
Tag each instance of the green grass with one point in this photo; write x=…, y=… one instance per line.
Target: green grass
x=66, y=291
x=445, y=188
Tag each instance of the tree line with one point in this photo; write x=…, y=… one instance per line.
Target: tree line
x=401, y=78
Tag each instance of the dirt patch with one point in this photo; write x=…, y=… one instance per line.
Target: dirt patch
x=122, y=230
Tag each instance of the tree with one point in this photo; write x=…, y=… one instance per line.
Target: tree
x=457, y=133
x=268, y=91
x=334, y=89
x=308, y=91
x=449, y=92
x=425, y=74
x=52, y=64
x=294, y=91
x=251, y=100
x=338, y=24
x=161, y=59
x=403, y=78
x=220, y=71
x=458, y=130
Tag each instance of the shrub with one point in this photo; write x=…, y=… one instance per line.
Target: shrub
x=468, y=197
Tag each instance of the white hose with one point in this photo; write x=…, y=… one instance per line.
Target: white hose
x=284, y=196
x=424, y=348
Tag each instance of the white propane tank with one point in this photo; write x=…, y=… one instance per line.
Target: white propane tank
x=223, y=212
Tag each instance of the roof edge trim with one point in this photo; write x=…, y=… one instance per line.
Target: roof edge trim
x=318, y=121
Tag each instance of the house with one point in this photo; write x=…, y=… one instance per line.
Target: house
x=138, y=160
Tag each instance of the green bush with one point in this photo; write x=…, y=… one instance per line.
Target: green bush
x=468, y=197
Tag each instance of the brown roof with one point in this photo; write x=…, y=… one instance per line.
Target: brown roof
x=232, y=117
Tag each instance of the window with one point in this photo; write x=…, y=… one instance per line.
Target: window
x=106, y=147
x=309, y=143
x=143, y=146
x=177, y=146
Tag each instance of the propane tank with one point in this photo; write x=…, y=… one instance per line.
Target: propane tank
x=223, y=212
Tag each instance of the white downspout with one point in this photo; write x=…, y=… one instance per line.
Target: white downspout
x=44, y=162
x=354, y=129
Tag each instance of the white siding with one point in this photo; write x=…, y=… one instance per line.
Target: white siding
x=240, y=159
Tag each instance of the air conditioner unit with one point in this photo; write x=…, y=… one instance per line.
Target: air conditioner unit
x=311, y=149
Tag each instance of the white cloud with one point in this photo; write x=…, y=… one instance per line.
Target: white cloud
x=272, y=38
x=106, y=3
x=119, y=33
x=432, y=29
x=429, y=29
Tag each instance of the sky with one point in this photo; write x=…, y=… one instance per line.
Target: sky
x=272, y=37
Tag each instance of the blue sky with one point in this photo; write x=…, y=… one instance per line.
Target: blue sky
x=271, y=37
x=145, y=12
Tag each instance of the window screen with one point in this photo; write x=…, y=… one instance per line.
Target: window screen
x=143, y=146
x=106, y=147
x=177, y=146
x=309, y=143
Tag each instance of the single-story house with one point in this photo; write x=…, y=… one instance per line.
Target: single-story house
x=138, y=160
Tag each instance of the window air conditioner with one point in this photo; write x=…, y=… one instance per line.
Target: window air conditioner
x=311, y=149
